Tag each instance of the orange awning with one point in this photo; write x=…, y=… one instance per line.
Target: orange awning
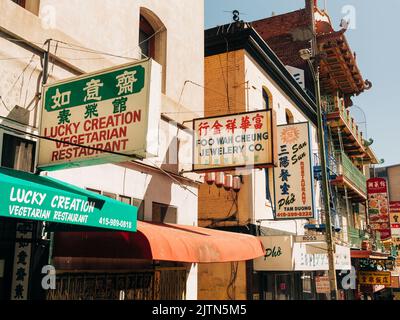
x=155, y=241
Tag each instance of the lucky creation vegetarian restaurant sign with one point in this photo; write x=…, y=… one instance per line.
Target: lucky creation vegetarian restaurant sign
x=378, y=206
x=236, y=140
x=294, y=197
x=33, y=197
x=116, y=109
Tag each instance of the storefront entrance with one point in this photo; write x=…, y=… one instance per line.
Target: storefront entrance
x=159, y=284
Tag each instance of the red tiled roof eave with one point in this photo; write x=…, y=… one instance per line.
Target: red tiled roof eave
x=336, y=42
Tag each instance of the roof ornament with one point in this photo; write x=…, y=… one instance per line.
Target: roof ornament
x=236, y=15
x=236, y=25
x=368, y=84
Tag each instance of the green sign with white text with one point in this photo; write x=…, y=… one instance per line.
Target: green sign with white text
x=32, y=197
x=107, y=116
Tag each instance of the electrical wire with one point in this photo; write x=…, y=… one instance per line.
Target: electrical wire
x=172, y=177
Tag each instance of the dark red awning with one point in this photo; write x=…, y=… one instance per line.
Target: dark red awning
x=167, y=242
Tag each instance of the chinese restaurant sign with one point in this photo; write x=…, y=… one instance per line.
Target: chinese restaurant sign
x=116, y=110
x=32, y=197
x=236, y=140
x=294, y=197
x=378, y=206
x=374, y=278
x=394, y=209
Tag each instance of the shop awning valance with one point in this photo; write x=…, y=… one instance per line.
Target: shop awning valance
x=156, y=241
x=28, y=196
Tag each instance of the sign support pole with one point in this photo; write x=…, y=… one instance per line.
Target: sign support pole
x=44, y=81
x=322, y=151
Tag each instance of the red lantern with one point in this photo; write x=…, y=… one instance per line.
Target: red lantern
x=228, y=182
x=219, y=179
x=237, y=183
x=210, y=178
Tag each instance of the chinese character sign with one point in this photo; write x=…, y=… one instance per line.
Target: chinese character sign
x=233, y=141
x=22, y=260
x=294, y=197
x=374, y=278
x=394, y=209
x=378, y=206
x=111, y=110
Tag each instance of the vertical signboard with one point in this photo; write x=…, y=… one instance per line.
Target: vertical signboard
x=294, y=196
x=394, y=210
x=378, y=206
x=22, y=260
x=112, y=112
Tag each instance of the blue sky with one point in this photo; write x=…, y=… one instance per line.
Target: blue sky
x=374, y=39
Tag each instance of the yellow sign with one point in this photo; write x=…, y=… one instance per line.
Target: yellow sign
x=237, y=140
x=113, y=113
x=374, y=278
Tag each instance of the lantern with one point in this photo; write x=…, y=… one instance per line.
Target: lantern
x=237, y=183
x=228, y=182
x=219, y=179
x=210, y=178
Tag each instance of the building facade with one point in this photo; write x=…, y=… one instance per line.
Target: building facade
x=231, y=70
x=46, y=41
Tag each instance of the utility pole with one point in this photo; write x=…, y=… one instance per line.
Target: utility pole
x=314, y=66
x=45, y=75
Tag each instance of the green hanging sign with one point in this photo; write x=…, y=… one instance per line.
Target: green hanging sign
x=32, y=197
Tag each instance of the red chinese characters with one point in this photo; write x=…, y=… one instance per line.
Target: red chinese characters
x=258, y=124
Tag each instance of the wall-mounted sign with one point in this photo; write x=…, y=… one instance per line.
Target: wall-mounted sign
x=283, y=254
x=394, y=280
x=237, y=140
x=311, y=238
x=374, y=278
x=322, y=284
x=278, y=254
x=378, y=206
x=314, y=257
x=22, y=261
x=116, y=110
x=394, y=210
x=294, y=196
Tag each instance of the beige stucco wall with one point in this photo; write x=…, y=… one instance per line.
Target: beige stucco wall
x=110, y=26
x=394, y=183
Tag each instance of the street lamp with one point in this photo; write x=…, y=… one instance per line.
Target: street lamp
x=313, y=62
